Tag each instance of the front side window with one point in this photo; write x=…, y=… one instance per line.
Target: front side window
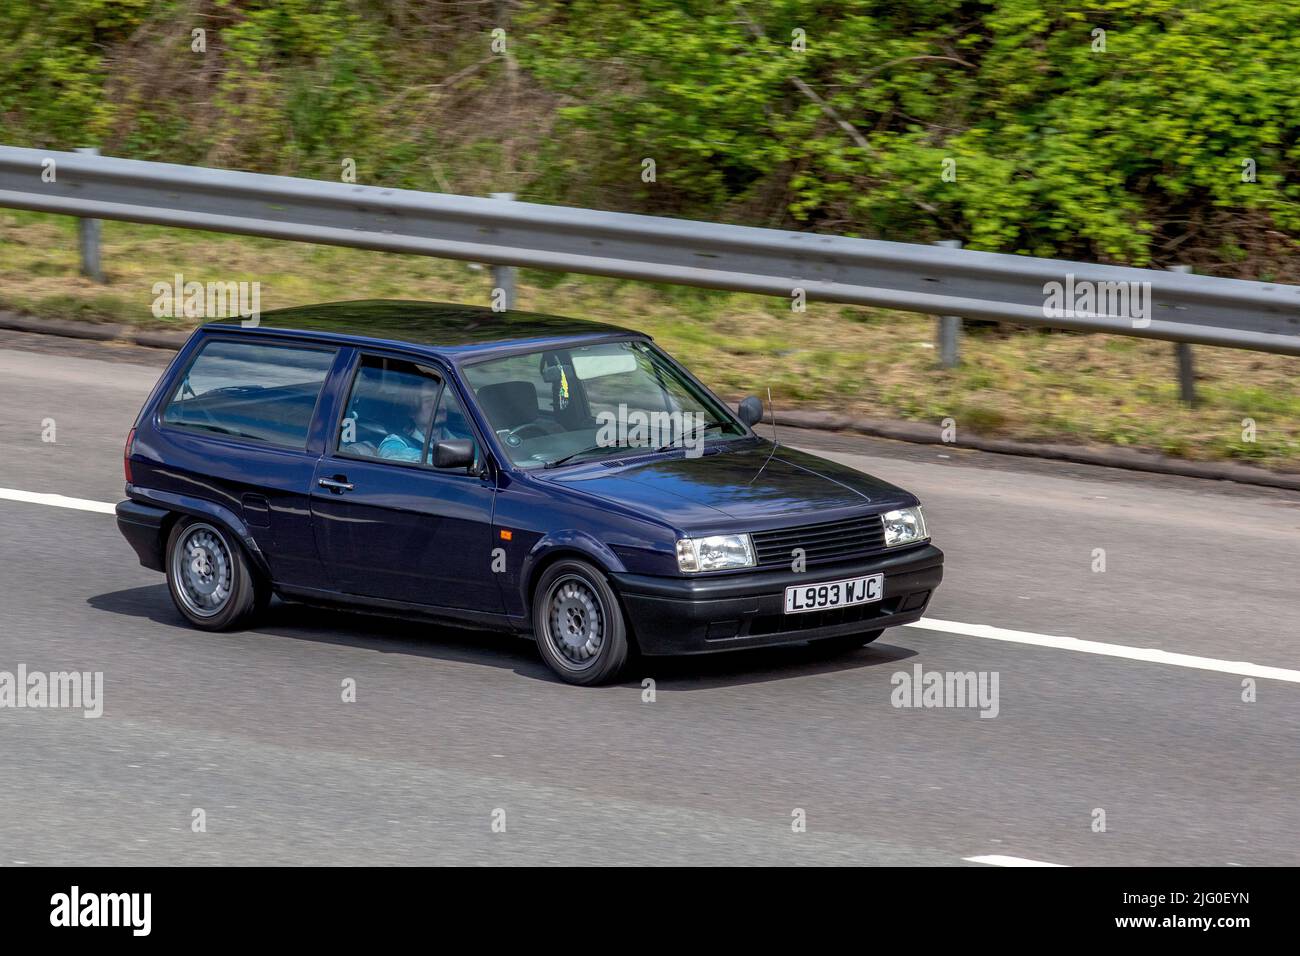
x=251, y=390
x=450, y=423
x=389, y=410
x=584, y=402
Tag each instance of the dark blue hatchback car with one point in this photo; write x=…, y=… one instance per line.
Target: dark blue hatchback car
x=544, y=475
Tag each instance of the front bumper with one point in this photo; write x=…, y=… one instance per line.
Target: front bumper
x=706, y=614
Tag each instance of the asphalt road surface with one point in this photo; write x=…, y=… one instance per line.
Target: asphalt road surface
x=452, y=731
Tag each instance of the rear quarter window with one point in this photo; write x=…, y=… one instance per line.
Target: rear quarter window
x=251, y=390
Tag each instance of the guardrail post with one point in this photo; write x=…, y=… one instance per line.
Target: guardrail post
x=1183, y=353
x=503, y=277
x=88, y=231
x=948, y=327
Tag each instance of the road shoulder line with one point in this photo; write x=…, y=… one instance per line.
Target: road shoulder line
x=1149, y=655
x=57, y=501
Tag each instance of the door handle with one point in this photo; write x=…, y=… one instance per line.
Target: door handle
x=337, y=485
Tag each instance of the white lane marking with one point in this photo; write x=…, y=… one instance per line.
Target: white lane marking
x=1148, y=654
x=58, y=501
x=996, y=860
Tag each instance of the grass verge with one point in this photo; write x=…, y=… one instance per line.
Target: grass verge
x=1023, y=384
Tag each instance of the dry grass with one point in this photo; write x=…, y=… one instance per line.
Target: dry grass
x=1024, y=384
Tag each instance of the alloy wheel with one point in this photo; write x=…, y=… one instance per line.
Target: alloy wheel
x=203, y=570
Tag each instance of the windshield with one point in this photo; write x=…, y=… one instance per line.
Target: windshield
x=576, y=404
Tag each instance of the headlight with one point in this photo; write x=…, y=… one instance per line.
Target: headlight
x=715, y=552
x=904, y=526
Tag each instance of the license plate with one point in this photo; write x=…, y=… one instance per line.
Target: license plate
x=846, y=593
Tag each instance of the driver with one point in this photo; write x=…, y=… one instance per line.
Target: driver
x=407, y=442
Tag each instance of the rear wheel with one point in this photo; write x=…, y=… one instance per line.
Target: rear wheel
x=578, y=623
x=209, y=577
x=842, y=643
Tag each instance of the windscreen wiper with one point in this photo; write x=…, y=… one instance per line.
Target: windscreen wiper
x=672, y=444
x=703, y=426
x=582, y=451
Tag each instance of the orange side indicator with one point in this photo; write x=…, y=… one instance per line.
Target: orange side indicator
x=506, y=535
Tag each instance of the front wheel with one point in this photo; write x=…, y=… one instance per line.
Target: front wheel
x=209, y=576
x=578, y=623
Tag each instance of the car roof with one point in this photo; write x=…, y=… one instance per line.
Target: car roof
x=456, y=332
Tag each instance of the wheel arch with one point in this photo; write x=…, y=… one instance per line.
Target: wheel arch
x=540, y=561
x=183, y=506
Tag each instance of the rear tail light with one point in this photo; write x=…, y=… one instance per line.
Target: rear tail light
x=126, y=454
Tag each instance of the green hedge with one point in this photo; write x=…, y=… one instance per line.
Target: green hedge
x=1131, y=154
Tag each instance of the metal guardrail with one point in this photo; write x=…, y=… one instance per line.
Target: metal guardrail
x=904, y=276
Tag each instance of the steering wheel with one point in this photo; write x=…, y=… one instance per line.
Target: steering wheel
x=520, y=433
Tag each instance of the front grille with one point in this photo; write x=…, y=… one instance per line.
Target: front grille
x=821, y=543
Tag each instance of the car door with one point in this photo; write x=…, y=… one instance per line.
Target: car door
x=388, y=523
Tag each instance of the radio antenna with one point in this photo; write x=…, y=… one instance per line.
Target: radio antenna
x=772, y=409
x=775, y=443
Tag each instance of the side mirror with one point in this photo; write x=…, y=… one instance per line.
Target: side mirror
x=751, y=410
x=454, y=453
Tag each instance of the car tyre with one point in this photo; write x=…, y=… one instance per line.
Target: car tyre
x=579, y=625
x=209, y=576
x=843, y=643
